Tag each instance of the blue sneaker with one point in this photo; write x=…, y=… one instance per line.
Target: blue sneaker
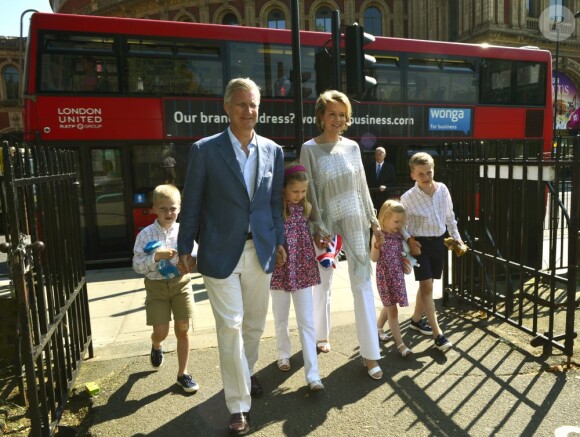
x=422, y=326
x=156, y=357
x=442, y=343
x=187, y=383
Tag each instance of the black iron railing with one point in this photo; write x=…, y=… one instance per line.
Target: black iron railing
x=46, y=264
x=517, y=209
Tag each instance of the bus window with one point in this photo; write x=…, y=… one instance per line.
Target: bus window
x=155, y=164
x=387, y=71
x=308, y=75
x=460, y=78
x=530, y=80
x=442, y=79
x=109, y=196
x=211, y=76
x=265, y=64
x=422, y=78
x=57, y=73
x=96, y=74
x=495, y=82
x=165, y=68
x=78, y=63
x=270, y=66
x=78, y=73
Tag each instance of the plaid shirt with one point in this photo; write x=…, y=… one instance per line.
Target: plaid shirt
x=429, y=216
x=144, y=263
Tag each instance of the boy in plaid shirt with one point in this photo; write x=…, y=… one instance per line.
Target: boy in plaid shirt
x=167, y=290
x=429, y=214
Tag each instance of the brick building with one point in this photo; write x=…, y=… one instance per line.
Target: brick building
x=10, y=110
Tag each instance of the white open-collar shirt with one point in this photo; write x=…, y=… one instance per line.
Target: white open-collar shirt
x=429, y=216
x=248, y=164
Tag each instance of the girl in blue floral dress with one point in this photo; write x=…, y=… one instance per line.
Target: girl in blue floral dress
x=294, y=280
x=391, y=269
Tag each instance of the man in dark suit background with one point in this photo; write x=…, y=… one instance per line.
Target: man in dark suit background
x=232, y=197
x=381, y=178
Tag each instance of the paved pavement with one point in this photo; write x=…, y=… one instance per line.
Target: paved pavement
x=491, y=383
x=116, y=299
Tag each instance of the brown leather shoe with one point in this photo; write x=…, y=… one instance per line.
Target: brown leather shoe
x=239, y=423
x=255, y=388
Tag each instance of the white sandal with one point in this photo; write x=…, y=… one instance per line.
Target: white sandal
x=283, y=364
x=404, y=352
x=374, y=372
x=323, y=346
x=384, y=336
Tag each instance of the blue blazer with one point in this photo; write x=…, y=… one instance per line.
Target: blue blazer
x=216, y=204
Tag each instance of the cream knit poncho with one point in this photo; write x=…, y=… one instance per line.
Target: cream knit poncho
x=341, y=202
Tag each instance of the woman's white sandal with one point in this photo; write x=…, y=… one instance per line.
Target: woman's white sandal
x=283, y=364
x=374, y=372
x=323, y=346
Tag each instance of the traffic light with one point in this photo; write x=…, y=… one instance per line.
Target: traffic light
x=357, y=60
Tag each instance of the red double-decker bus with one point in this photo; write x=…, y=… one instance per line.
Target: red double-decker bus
x=130, y=96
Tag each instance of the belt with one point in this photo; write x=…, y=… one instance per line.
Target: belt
x=249, y=236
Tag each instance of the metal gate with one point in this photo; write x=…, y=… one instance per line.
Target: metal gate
x=46, y=266
x=518, y=209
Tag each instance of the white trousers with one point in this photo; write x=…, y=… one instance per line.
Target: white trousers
x=364, y=310
x=240, y=305
x=321, y=301
x=302, y=300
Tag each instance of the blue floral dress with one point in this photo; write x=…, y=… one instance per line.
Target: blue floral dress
x=301, y=268
x=390, y=271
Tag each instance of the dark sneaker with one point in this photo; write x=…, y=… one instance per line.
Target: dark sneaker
x=422, y=326
x=156, y=357
x=187, y=383
x=442, y=343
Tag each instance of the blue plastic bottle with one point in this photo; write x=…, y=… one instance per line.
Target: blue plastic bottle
x=165, y=267
x=168, y=269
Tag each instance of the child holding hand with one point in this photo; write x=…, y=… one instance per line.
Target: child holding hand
x=167, y=291
x=391, y=269
x=294, y=279
x=429, y=215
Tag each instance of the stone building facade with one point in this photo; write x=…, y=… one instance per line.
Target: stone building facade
x=498, y=22
x=10, y=109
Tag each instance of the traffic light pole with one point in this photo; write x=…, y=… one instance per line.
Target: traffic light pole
x=297, y=79
x=336, y=49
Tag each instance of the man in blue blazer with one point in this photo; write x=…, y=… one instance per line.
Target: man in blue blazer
x=232, y=201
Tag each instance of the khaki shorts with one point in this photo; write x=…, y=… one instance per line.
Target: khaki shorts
x=166, y=296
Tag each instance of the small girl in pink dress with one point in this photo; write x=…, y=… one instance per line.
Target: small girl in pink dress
x=391, y=269
x=294, y=280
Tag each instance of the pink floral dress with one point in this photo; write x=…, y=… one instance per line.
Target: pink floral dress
x=301, y=269
x=390, y=271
